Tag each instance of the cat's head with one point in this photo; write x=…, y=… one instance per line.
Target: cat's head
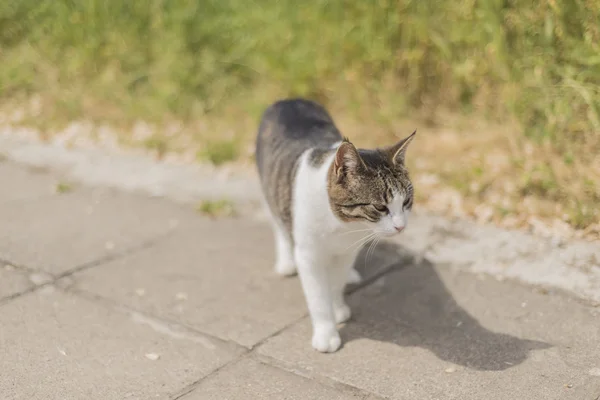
x=372, y=186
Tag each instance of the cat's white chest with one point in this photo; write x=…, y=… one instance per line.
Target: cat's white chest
x=314, y=222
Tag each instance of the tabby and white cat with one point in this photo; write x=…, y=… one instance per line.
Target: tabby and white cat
x=326, y=199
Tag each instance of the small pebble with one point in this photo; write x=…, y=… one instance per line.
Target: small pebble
x=48, y=289
x=181, y=296
x=9, y=267
x=178, y=308
x=152, y=356
x=556, y=241
x=570, y=385
x=450, y=370
x=140, y=292
x=109, y=245
x=39, y=278
x=594, y=371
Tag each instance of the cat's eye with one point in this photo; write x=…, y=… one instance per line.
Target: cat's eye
x=353, y=205
x=381, y=208
x=406, y=202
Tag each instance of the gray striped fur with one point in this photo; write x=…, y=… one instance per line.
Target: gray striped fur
x=290, y=127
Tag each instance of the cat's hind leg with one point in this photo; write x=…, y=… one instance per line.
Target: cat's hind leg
x=284, y=251
x=285, y=264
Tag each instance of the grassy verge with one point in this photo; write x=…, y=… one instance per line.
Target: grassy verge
x=198, y=74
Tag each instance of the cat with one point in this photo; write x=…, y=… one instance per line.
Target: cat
x=326, y=198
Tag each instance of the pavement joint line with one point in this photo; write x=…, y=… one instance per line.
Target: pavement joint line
x=102, y=260
x=278, y=332
x=253, y=351
x=175, y=324
x=244, y=350
x=14, y=296
x=34, y=286
x=112, y=303
x=146, y=244
x=311, y=376
x=194, y=385
x=20, y=267
x=274, y=363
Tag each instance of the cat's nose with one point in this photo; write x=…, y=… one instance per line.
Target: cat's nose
x=399, y=228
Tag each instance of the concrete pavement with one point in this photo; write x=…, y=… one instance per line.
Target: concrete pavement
x=106, y=294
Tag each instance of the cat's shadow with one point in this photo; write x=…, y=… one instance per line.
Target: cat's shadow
x=411, y=306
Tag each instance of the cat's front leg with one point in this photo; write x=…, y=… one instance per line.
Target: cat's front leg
x=339, y=272
x=312, y=268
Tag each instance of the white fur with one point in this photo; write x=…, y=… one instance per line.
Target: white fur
x=325, y=250
x=397, y=219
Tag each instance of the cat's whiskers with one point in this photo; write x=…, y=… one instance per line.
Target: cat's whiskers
x=355, y=231
x=361, y=241
x=369, y=250
x=373, y=246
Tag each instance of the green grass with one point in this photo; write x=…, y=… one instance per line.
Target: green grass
x=158, y=144
x=219, y=152
x=216, y=208
x=63, y=187
x=153, y=59
x=536, y=63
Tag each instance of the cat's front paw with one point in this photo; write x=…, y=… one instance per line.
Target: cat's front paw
x=326, y=340
x=285, y=268
x=342, y=313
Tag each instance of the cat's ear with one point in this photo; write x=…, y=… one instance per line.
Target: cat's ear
x=397, y=152
x=346, y=159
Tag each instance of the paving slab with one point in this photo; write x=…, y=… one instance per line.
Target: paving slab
x=55, y=345
x=60, y=232
x=251, y=379
x=214, y=275
x=433, y=332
